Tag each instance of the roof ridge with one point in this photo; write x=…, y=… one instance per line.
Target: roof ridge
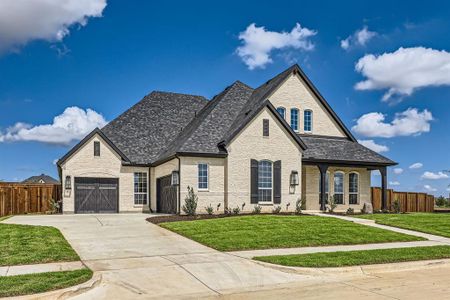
x=176, y=93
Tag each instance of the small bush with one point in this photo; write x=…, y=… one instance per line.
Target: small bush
x=396, y=207
x=441, y=201
x=332, y=205
x=227, y=211
x=209, y=209
x=236, y=210
x=298, y=206
x=276, y=209
x=350, y=211
x=190, y=202
x=257, y=209
x=385, y=211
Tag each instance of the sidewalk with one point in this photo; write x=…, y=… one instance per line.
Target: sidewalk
x=433, y=240
x=41, y=268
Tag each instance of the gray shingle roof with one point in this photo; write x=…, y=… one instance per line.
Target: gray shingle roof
x=39, y=178
x=147, y=128
x=340, y=149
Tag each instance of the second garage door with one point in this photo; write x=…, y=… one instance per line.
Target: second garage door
x=96, y=195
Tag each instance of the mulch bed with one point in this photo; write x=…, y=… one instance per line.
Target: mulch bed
x=176, y=218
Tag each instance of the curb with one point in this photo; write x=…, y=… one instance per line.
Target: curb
x=65, y=293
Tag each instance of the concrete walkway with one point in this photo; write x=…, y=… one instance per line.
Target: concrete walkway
x=41, y=268
x=433, y=240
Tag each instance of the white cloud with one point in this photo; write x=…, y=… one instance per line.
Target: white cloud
x=73, y=124
x=434, y=176
x=416, y=165
x=403, y=71
x=429, y=188
x=258, y=43
x=360, y=38
x=398, y=171
x=55, y=161
x=408, y=122
x=373, y=146
x=394, y=183
x=22, y=21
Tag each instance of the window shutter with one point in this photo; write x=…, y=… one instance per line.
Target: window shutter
x=277, y=182
x=254, y=181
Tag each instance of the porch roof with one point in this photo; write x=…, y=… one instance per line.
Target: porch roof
x=339, y=150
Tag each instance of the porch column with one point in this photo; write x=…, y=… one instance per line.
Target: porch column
x=323, y=173
x=383, y=188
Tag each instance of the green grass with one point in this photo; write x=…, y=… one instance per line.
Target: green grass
x=354, y=258
x=269, y=231
x=24, y=244
x=4, y=218
x=433, y=223
x=41, y=282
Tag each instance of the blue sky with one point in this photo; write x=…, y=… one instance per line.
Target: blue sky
x=107, y=58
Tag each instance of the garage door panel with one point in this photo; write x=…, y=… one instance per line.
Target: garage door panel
x=96, y=195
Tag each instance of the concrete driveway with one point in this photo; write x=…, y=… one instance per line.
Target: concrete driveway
x=139, y=259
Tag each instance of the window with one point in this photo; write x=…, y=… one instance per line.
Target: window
x=339, y=188
x=140, y=188
x=307, y=126
x=265, y=127
x=282, y=112
x=96, y=148
x=264, y=181
x=353, y=188
x=327, y=187
x=294, y=119
x=202, y=176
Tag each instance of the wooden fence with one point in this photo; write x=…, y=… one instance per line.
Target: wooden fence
x=18, y=198
x=409, y=202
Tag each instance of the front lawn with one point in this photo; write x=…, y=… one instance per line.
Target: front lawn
x=41, y=282
x=353, y=258
x=24, y=244
x=433, y=223
x=270, y=231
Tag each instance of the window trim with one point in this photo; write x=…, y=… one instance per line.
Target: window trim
x=311, y=120
x=140, y=193
x=298, y=118
x=357, y=188
x=343, y=186
x=95, y=152
x=271, y=188
x=207, y=177
x=284, y=111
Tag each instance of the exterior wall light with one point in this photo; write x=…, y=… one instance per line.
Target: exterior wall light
x=175, y=178
x=68, y=183
x=294, y=178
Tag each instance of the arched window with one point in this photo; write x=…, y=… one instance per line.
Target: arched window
x=265, y=181
x=327, y=186
x=294, y=119
x=308, y=115
x=339, y=187
x=282, y=111
x=353, y=188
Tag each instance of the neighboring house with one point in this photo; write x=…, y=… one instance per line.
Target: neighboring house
x=41, y=179
x=269, y=146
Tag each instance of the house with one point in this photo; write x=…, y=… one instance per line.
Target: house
x=41, y=179
x=268, y=146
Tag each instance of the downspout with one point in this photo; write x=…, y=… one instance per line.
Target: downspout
x=150, y=189
x=179, y=183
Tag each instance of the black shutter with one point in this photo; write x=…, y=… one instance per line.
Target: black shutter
x=277, y=182
x=254, y=181
x=265, y=127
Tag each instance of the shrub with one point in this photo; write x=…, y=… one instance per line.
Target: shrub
x=276, y=209
x=227, y=211
x=298, y=206
x=441, y=201
x=396, y=206
x=350, y=211
x=303, y=203
x=257, y=209
x=190, y=202
x=54, y=206
x=385, y=211
x=332, y=205
x=236, y=210
x=209, y=209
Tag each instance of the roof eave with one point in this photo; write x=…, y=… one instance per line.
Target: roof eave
x=348, y=162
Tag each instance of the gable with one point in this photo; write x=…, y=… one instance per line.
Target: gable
x=294, y=92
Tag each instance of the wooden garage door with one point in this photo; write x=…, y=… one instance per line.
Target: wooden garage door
x=96, y=195
x=166, y=195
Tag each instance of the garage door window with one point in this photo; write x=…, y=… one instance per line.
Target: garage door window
x=140, y=188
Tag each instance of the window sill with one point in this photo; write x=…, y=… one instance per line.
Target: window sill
x=265, y=203
x=139, y=205
x=203, y=190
